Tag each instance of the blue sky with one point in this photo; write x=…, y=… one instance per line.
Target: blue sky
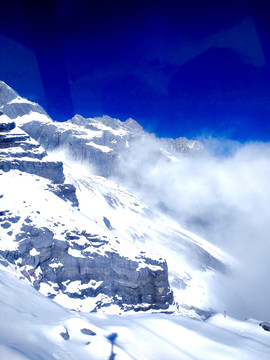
x=200, y=68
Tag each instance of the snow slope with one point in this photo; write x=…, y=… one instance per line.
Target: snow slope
x=66, y=254
x=192, y=261
x=31, y=327
x=31, y=324
x=160, y=336
x=112, y=221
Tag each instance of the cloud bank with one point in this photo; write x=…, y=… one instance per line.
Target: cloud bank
x=223, y=198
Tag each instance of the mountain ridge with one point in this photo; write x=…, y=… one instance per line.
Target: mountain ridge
x=121, y=220
x=98, y=140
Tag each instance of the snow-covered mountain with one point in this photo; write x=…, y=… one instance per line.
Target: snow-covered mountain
x=108, y=218
x=13, y=105
x=98, y=141
x=59, y=249
x=70, y=229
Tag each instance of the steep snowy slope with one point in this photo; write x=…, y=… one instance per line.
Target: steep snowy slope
x=20, y=152
x=34, y=327
x=192, y=261
x=99, y=143
x=69, y=257
x=60, y=250
x=13, y=105
x=89, y=244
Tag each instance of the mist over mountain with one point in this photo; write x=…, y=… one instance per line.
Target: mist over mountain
x=223, y=199
x=101, y=216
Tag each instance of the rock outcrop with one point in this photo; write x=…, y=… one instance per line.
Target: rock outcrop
x=129, y=282
x=265, y=325
x=80, y=265
x=98, y=141
x=19, y=152
x=80, y=261
x=13, y=105
x=61, y=259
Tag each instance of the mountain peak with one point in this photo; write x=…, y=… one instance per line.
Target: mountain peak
x=14, y=105
x=7, y=94
x=18, y=151
x=133, y=124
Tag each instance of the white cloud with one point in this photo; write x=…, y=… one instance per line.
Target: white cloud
x=225, y=199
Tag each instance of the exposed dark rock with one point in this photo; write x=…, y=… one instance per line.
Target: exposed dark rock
x=66, y=192
x=11, y=140
x=52, y=170
x=88, y=332
x=132, y=282
x=10, y=256
x=6, y=216
x=265, y=325
x=7, y=126
x=5, y=225
x=107, y=223
x=71, y=236
x=93, y=240
x=3, y=262
x=111, y=200
x=26, y=154
x=65, y=335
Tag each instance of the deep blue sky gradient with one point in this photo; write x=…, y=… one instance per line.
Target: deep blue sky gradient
x=179, y=68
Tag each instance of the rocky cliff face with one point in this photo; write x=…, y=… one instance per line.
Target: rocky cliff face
x=19, y=152
x=98, y=141
x=77, y=271
x=44, y=235
x=89, y=258
x=13, y=105
x=70, y=259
